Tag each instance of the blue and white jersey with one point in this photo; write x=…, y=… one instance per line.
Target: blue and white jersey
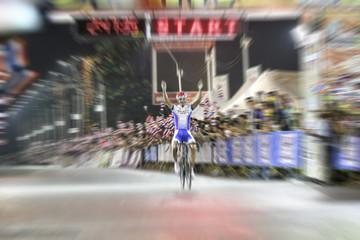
x=182, y=116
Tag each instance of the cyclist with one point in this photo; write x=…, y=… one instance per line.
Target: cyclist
x=181, y=114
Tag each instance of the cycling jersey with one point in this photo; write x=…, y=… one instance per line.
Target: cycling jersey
x=182, y=119
x=182, y=116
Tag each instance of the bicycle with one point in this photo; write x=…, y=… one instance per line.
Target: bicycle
x=185, y=166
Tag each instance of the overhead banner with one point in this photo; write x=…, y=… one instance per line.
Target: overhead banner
x=125, y=27
x=163, y=28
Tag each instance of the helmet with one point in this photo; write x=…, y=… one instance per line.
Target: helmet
x=181, y=95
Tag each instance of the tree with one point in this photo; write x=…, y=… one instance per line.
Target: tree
x=125, y=68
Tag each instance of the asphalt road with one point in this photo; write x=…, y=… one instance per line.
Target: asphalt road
x=83, y=204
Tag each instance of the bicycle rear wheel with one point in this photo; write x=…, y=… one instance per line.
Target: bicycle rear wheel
x=188, y=174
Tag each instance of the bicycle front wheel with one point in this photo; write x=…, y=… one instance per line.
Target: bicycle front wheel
x=182, y=175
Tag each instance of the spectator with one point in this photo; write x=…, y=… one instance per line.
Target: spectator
x=255, y=117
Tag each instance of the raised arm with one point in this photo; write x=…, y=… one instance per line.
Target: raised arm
x=198, y=100
x=165, y=96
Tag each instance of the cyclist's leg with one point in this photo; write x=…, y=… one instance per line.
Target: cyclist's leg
x=192, y=145
x=174, y=145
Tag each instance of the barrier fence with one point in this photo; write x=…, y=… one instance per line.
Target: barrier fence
x=276, y=149
x=346, y=154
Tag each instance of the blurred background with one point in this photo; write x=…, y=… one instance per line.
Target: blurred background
x=80, y=85
x=90, y=72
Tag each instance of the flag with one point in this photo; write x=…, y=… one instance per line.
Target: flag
x=210, y=114
x=162, y=104
x=139, y=126
x=167, y=132
x=318, y=88
x=4, y=101
x=149, y=118
x=213, y=122
x=131, y=125
x=206, y=102
x=119, y=131
x=3, y=124
x=159, y=119
x=119, y=124
x=3, y=142
x=232, y=113
x=3, y=115
x=220, y=94
x=169, y=121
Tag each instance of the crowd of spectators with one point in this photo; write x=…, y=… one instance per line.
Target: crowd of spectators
x=266, y=113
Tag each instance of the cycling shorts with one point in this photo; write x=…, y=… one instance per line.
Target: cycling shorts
x=183, y=135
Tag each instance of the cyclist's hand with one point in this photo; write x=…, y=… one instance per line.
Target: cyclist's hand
x=200, y=84
x=163, y=85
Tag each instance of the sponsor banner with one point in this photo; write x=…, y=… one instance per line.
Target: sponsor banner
x=250, y=150
x=229, y=149
x=221, y=151
x=133, y=160
x=280, y=149
x=287, y=150
x=266, y=149
x=347, y=154
x=204, y=153
x=237, y=150
x=151, y=154
x=164, y=153
x=118, y=157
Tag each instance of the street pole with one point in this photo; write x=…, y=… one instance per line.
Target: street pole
x=245, y=43
x=102, y=91
x=208, y=71
x=179, y=72
x=103, y=119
